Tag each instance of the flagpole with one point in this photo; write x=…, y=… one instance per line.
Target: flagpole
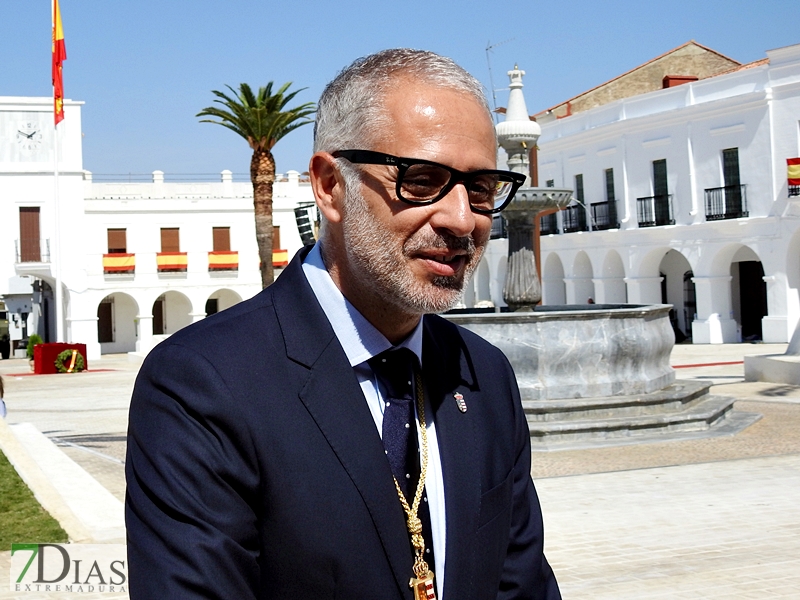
x=59, y=55
x=55, y=256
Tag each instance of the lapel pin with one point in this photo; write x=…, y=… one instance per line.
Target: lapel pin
x=462, y=406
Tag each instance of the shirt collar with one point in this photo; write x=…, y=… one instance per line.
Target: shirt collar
x=358, y=337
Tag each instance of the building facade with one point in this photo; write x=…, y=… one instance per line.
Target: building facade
x=136, y=260
x=681, y=196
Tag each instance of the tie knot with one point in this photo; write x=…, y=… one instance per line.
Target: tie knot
x=395, y=370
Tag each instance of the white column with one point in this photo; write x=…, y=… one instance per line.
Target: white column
x=644, y=290
x=714, y=324
x=197, y=316
x=145, y=341
x=775, y=328
x=609, y=290
x=579, y=289
x=84, y=331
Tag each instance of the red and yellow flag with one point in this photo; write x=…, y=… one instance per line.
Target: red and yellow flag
x=793, y=170
x=59, y=56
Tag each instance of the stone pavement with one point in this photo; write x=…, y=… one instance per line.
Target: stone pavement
x=707, y=518
x=712, y=530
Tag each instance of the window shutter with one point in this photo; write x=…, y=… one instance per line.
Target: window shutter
x=276, y=237
x=221, y=238
x=170, y=239
x=117, y=241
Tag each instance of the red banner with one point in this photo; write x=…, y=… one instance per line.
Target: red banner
x=793, y=170
x=59, y=56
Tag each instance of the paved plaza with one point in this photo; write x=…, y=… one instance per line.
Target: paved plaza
x=701, y=518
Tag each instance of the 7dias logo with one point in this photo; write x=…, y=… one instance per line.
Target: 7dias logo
x=75, y=568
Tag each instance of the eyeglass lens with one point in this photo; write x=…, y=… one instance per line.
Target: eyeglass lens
x=423, y=183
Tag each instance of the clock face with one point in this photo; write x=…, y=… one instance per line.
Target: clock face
x=29, y=137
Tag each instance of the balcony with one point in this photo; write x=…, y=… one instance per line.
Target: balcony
x=223, y=260
x=303, y=215
x=119, y=263
x=794, y=190
x=549, y=224
x=499, y=230
x=32, y=250
x=604, y=215
x=574, y=219
x=728, y=202
x=171, y=262
x=653, y=211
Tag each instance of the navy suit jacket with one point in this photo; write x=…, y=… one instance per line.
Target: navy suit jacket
x=255, y=469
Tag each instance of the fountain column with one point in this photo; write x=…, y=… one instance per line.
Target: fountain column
x=517, y=135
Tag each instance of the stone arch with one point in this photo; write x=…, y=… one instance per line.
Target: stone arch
x=220, y=300
x=581, y=280
x=644, y=285
x=651, y=262
x=793, y=280
x=731, y=295
x=172, y=311
x=749, y=303
x=613, y=280
x=554, y=290
x=117, y=325
x=674, y=268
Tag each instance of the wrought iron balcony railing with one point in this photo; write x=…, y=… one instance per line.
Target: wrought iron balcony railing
x=32, y=250
x=794, y=190
x=305, y=217
x=728, y=202
x=655, y=210
x=549, y=224
x=574, y=219
x=604, y=215
x=499, y=230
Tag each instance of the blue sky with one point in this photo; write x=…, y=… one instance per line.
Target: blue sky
x=145, y=68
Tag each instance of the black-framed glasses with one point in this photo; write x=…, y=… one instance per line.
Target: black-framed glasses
x=424, y=181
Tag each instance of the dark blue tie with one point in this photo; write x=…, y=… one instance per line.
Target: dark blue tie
x=395, y=372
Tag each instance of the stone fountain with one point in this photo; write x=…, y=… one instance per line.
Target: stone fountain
x=588, y=375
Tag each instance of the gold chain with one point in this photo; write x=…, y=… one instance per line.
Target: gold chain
x=414, y=524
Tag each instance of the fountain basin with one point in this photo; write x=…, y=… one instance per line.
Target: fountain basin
x=582, y=351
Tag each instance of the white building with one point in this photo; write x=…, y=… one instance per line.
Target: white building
x=137, y=260
x=682, y=198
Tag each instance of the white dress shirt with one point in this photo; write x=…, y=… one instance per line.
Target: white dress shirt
x=361, y=341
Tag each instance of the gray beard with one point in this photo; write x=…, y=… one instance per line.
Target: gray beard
x=384, y=265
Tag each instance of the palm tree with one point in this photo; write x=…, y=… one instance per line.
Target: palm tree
x=262, y=121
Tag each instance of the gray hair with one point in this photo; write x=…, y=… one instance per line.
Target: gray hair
x=350, y=112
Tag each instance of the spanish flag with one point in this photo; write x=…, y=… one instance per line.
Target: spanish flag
x=793, y=170
x=59, y=56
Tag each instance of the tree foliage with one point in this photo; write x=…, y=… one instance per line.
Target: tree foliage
x=262, y=119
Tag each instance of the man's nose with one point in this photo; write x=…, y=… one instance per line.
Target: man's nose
x=453, y=212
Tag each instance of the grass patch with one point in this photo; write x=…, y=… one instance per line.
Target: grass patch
x=22, y=519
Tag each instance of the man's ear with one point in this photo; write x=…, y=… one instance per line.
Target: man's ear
x=327, y=184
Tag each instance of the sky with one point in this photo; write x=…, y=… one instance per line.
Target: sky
x=145, y=68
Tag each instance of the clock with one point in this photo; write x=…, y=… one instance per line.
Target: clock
x=29, y=137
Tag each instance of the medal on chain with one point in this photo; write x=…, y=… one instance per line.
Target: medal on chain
x=422, y=582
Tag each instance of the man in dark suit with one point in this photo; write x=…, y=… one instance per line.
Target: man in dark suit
x=269, y=454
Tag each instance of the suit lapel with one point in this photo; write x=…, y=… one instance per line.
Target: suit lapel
x=334, y=400
x=447, y=372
